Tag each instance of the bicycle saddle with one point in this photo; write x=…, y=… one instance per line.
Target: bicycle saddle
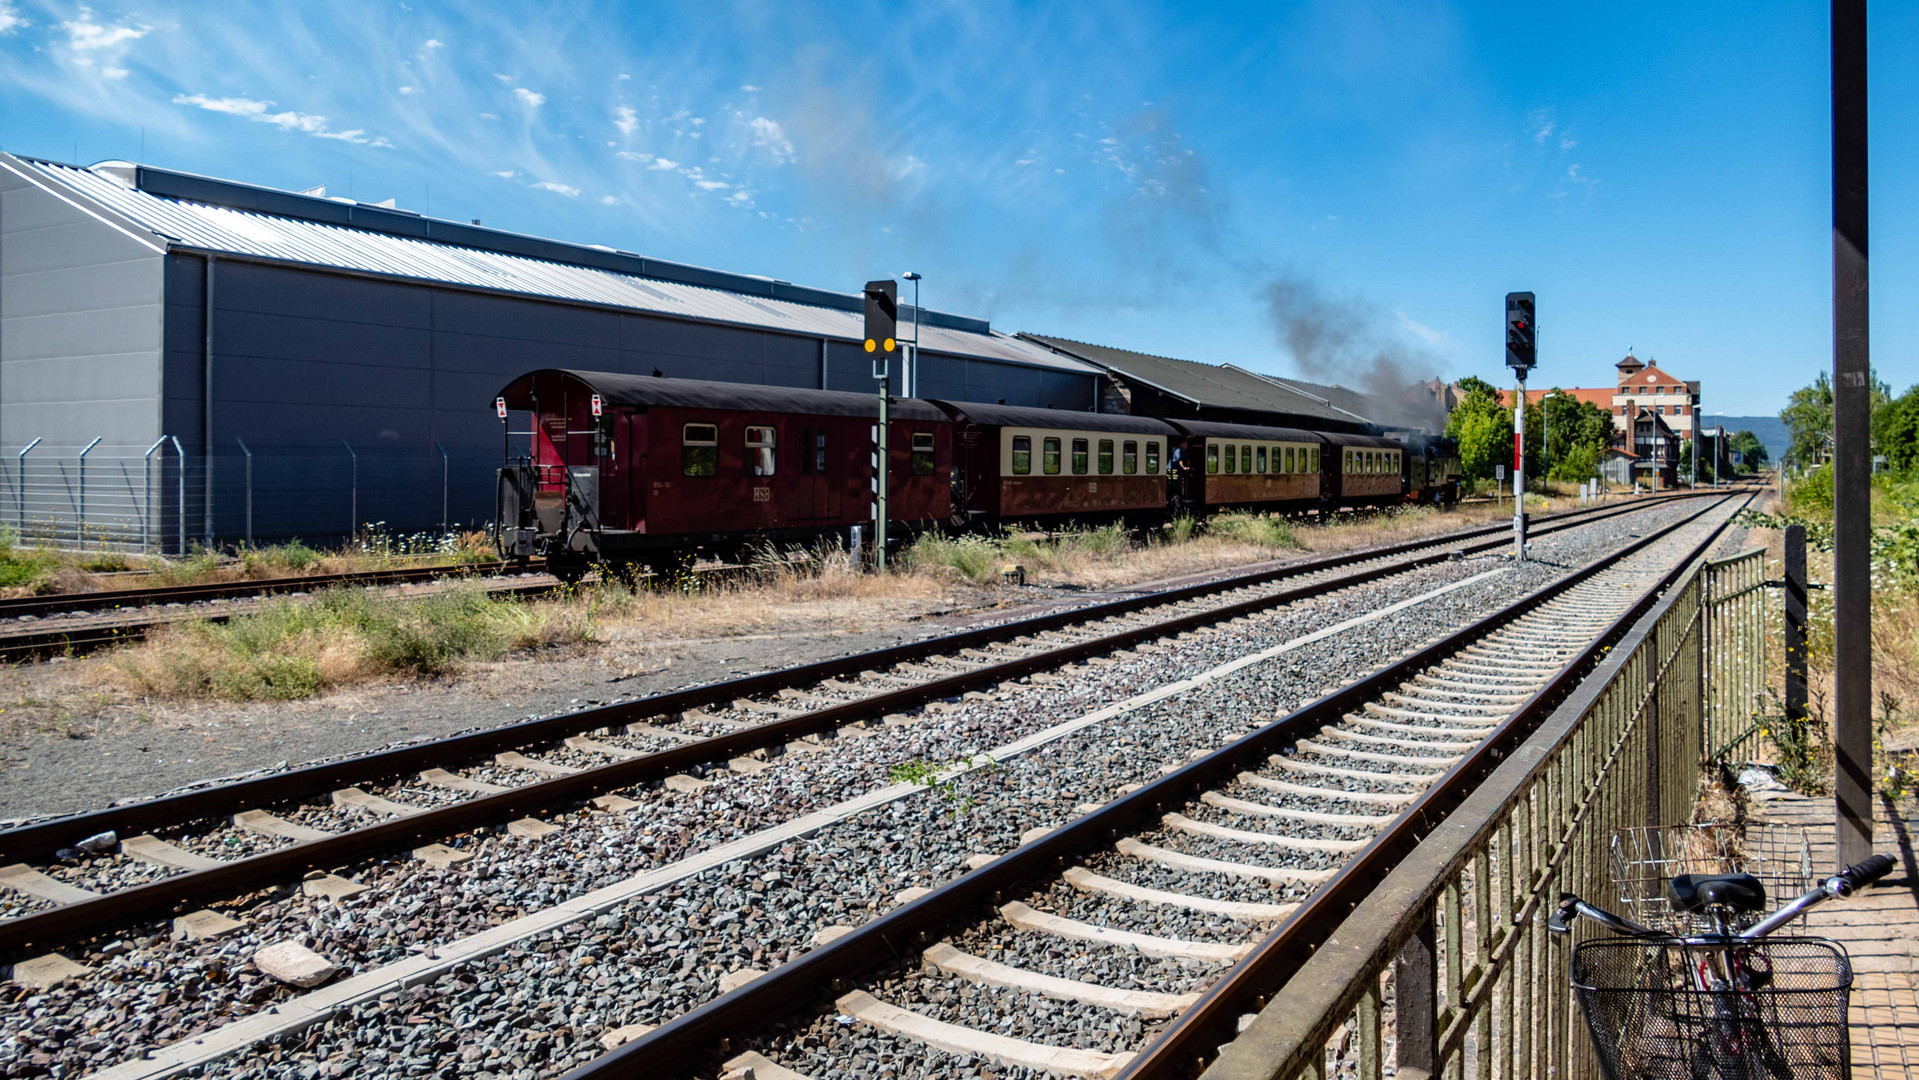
x=1740, y=892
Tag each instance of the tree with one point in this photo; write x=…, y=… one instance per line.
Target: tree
x=1808, y=416
x=1895, y=431
x=1480, y=425
x=1752, y=452
x=1579, y=432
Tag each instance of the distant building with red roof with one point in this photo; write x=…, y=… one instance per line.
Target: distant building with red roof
x=1640, y=386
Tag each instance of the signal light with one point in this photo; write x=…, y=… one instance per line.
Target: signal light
x=882, y=315
x=1522, y=341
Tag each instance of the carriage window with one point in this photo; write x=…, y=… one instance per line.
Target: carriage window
x=923, y=453
x=1049, y=457
x=1105, y=457
x=819, y=452
x=1129, y=457
x=1022, y=455
x=1245, y=458
x=1152, y=457
x=700, y=450
x=1315, y=464
x=1260, y=457
x=1289, y=459
x=1212, y=457
x=1232, y=458
x=1079, y=457
x=806, y=451
x=759, y=451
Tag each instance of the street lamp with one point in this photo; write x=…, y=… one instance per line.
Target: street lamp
x=913, y=365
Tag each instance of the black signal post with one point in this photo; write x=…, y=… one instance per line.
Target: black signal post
x=882, y=331
x=1522, y=352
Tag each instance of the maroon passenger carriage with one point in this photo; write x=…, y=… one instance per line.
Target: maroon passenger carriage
x=1363, y=470
x=1044, y=465
x=622, y=469
x=1246, y=465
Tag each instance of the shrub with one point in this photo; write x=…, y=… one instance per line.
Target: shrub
x=1180, y=529
x=1258, y=530
x=975, y=558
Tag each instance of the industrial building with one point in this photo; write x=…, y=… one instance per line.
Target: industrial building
x=203, y=360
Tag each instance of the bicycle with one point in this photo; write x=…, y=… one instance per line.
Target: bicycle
x=1729, y=1004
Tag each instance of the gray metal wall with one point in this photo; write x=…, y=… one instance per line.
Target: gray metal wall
x=80, y=317
x=309, y=364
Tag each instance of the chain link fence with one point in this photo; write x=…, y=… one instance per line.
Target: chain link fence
x=165, y=499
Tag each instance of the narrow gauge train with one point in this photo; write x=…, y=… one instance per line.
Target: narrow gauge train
x=625, y=469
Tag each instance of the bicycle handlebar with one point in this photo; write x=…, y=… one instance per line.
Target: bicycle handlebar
x=1840, y=885
x=1860, y=874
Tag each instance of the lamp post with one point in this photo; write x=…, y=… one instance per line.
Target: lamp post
x=912, y=387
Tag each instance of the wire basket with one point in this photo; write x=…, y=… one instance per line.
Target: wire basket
x=1648, y=1020
x=1644, y=860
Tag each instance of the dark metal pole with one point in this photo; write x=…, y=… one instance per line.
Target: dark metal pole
x=1796, y=630
x=1852, y=460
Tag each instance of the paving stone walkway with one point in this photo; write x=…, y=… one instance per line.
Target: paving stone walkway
x=1880, y=930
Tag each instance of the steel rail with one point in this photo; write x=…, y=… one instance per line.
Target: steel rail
x=1195, y=1036
x=125, y=599
x=687, y=1041
x=38, y=931
x=41, y=839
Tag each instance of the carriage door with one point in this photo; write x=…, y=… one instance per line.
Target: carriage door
x=630, y=439
x=815, y=485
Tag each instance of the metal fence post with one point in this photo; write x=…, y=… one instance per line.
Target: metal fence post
x=180, y=493
x=445, y=473
x=1416, y=999
x=146, y=511
x=20, y=492
x=353, y=522
x=249, y=454
x=80, y=529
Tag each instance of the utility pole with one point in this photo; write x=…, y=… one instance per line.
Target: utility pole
x=1852, y=461
x=882, y=327
x=1522, y=352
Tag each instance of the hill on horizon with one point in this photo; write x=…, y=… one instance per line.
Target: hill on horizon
x=1770, y=429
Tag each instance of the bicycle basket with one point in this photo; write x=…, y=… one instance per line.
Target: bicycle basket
x=1649, y=1021
x=1645, y=859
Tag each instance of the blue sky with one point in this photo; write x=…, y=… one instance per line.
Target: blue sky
x=1325, y=189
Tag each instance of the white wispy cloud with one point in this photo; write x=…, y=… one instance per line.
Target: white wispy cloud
x=432, y=44
x=84, y=34
x=530, y=98
x=489, y=116
x=1420, y=330
x=663, y=163
x=626, y=119
x=633, y=155
x=411, y=90
x=557, y=188
x=750, y=88
x=711, y=185
x=286, y=120
x=11, y=21
x=767, y=135
x=610, y=200
x=505, y=174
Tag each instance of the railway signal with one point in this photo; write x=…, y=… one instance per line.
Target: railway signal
x=882, y=328
x=1522, y=352
x=882, y=322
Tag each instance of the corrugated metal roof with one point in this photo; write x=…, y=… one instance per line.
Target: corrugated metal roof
x=639, y=391
x=292, y=240
x=1217, y=386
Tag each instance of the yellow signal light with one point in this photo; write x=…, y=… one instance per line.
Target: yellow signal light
x=889, y=344
x=871, y=345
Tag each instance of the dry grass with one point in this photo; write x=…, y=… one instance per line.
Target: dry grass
x=291, y=649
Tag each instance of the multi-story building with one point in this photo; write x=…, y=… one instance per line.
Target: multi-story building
x=1640, y=386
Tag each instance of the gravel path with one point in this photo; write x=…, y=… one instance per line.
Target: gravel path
x=541, y=1014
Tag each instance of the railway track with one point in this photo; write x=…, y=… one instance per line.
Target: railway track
x=744, y=724
x=649, y=739
x=70, y=624
x=1284, y=827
